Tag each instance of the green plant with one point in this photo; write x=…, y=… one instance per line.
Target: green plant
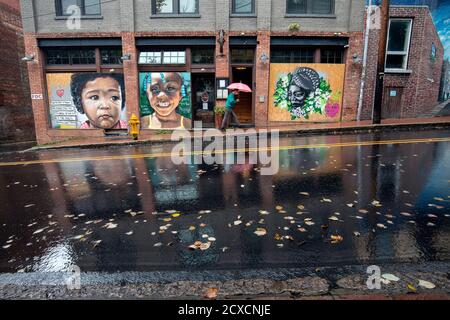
x=219, y=110
x=294, y=27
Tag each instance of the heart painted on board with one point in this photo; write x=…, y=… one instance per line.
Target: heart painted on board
x=60, y=92
x=332, y=109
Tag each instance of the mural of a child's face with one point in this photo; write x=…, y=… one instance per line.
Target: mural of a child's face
x=102, y=102
x=297, y=95
x=164, y=93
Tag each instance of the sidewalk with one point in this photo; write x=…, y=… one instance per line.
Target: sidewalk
x=285, y=129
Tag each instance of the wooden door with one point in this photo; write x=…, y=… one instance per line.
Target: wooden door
x=392, y=103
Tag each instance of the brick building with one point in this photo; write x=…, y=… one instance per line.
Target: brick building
x=16, y=116
x=413, y=67
x=159, y=55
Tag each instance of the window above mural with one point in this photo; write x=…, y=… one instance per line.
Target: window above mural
x=310, y=6
x=202, y=55
x=70, y=57
x=162, y=7
x=162, y=57
x=243, y=6
x=87, y=7
x=398, y=44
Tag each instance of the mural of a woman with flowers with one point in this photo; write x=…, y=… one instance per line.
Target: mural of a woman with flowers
x=304, y=92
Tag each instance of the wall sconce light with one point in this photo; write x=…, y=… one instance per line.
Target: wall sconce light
x=28, y=57
x=264, y=58
x=126, y=57
x=356, y=59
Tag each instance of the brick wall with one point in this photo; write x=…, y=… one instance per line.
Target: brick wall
x=420, y=94
x=16, y=118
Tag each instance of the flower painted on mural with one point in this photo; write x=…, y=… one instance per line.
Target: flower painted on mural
x=302, y=93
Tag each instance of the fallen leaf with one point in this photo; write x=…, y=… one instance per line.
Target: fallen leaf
x=237, y=222
x=205, y=246
x=212, y=239
x=426, y=284
x=263, y=212
x=304, y=193
x=356, y=233
x=411, y=287
x=336, y=239
x=158, y=244
x=382, y=226
x=351, y=205
x=96, y=243
x=260, y=232
x=211, y=293
x=333, y=218
x=390, y=277
x=362, y=211
x=406, y=214
x=326, y=200
x=129, y=233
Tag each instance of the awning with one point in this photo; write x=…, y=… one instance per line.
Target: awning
x=176, y=41
x=80, y=42
x=308, y=41
x=243, y=41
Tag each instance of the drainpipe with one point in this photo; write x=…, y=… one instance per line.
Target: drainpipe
x=364, y=66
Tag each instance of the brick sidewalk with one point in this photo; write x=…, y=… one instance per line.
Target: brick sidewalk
x=149, y=137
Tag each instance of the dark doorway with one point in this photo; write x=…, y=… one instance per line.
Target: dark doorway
x=203, y=98
x=392, y=103
x=244, y=107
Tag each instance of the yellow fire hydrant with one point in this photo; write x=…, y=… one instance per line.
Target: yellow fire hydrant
x=134, y=126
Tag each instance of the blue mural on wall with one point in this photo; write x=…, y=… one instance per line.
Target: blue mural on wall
x=440, y=10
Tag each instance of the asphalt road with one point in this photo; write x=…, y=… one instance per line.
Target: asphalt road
x=335, y=201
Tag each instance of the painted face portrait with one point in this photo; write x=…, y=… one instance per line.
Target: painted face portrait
x=304, y=82
x=102, y=102
x=164, y=93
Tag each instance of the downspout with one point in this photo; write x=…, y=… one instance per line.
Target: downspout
x=364, y=66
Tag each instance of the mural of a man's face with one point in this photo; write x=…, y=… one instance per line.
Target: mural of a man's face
x=297, y=95
x=102, y=102
x=164, y=92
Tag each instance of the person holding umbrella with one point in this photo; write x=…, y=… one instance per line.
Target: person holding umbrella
x=231, y=102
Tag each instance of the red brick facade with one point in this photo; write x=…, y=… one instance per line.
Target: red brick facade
x=16, y=117
x=421, y=86
x=222, y=68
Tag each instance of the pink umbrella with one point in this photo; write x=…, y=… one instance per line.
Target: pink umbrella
x=239, y=86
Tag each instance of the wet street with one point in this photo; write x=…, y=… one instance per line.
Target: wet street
x=336, y=200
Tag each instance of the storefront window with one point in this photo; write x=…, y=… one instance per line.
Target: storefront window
x=294, y=55
x=159, y=57
x=111, y=56
x=203, y=56
x=331, y=56
x=244, y=56
x=70, y=56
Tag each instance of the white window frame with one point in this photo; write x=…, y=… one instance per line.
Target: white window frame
x=399, y=53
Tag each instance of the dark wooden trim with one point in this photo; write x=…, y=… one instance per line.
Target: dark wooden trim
x=72, y=68
x=98, y=59
x=317, y=55
x=162, y=68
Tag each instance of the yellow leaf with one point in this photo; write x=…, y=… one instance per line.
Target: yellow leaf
x=211, y=293
x=411, y=287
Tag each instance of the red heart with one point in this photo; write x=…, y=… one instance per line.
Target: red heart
x=60, y=92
